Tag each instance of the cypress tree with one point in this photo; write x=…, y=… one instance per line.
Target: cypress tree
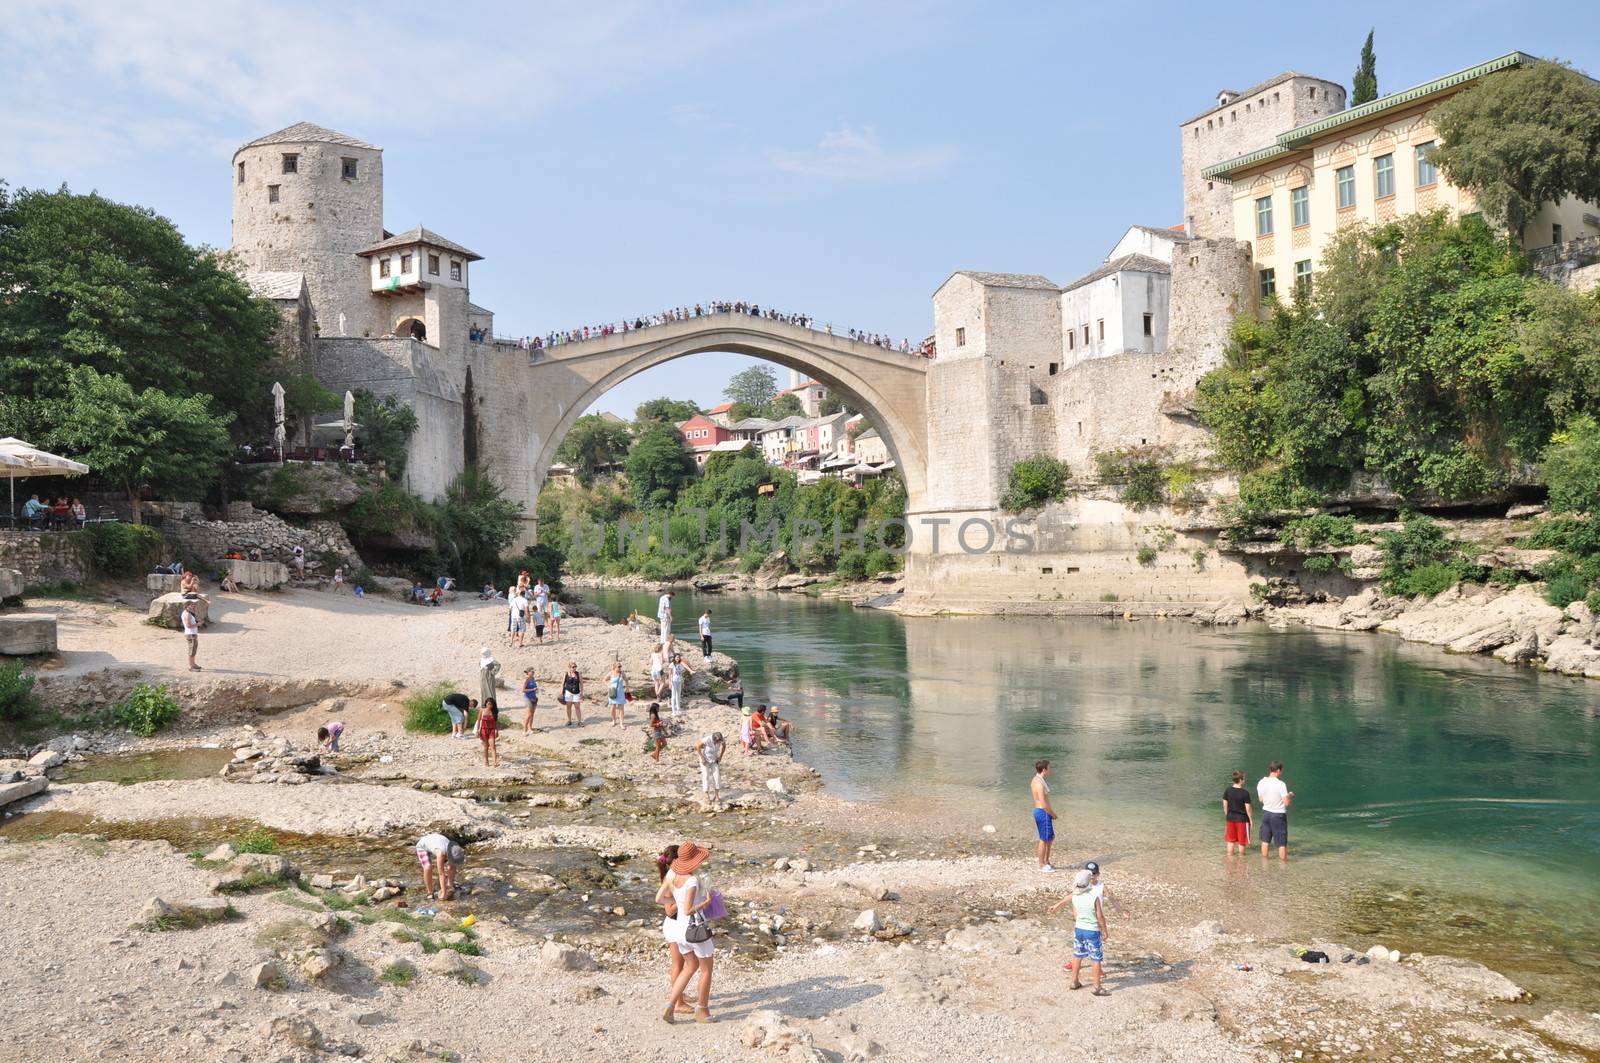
x=1365, y=86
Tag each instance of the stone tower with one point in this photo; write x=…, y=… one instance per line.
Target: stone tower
x=1242, y=122
x=305, y=200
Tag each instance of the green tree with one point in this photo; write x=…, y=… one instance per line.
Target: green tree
x=171, y=444
x=475, y=525
x=754, y=387
x=832, y=404
x=386, y=430
x=1572, y=467
x=1033, y=482
x=96, y=284
x=592, y=443
x=657, y=466
x=1522, y=138
x=786, y=405
x=1364, y=87
x=672, y=411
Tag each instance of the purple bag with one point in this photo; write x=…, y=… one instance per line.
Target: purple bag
x=716, y=909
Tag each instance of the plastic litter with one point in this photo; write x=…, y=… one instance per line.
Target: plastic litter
x=470, y=920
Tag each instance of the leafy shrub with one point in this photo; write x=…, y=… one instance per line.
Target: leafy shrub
x=1140, y=474
x=1033, y=482
x=146, y=710
x=751, y=561
x=1422, y=559
x=257, y=841
x=1505, y=577
x=1146, y=554
x=117, y=549
x=1593, y=602
x=16, y=692
x=1572, y=467
x=880, y=560
x=1181, y=485
x=425, y=710
x=1322, y=564
x=1564, y=588
x=1321, y=529
x=852, y=565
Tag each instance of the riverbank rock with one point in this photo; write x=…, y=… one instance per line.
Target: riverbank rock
x=1469, y=979
x=1467, y=619
x=868, y=921
x=254, y=868
x=266, y=975
x=47, y=759
x=561, y=957
x=768, y=1029
x=27, y=634
x=167, y=611
x=158, y=914
x=22, y=789
x=1575, y=1028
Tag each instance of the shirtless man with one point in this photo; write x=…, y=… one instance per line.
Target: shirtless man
x=1044, y=817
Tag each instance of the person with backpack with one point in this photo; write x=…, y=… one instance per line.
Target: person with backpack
x=617, y=694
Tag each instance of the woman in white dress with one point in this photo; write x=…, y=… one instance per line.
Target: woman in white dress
x=691, y=895
x=674, y=957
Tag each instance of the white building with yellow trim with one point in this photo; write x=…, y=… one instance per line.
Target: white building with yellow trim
x=1368, y=164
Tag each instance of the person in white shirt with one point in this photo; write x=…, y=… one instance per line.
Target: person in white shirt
x=664, y=614
x=658, y=667
x=709, y=750
x=677, y=672
x=1275, y=798
x=191, y=633
x=705, y=634
x=518, y=605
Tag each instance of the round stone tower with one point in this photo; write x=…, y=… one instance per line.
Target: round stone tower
x=305, y=200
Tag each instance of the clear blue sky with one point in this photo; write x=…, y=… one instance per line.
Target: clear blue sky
x=609, y=159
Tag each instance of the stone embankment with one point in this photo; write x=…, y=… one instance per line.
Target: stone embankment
x=1517, y=626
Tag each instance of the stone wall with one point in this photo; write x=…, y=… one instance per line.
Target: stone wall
x=320, y=221
x=44, y=558
x=203, y=542
x=419, y=379
x=1212, y=284
x=1240, y=126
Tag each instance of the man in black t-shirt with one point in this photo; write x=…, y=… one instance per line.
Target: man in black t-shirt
x=1236, y=815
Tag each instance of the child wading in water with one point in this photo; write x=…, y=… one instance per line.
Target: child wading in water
x=489, y=731
x=658, y=733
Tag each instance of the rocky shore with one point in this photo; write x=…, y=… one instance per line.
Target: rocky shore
x=255, y=898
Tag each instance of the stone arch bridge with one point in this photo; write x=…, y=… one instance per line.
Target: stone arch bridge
x=523, y=420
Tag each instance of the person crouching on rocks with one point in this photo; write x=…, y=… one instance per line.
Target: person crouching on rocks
x=328, y=736
x=489, y=732
x=435, y=852
x=458, y=706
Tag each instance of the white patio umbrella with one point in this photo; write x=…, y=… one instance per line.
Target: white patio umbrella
x=350, y=419
x=278, y=434
x=19, y=458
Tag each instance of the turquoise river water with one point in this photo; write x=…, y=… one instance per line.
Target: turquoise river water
x=1442, y=802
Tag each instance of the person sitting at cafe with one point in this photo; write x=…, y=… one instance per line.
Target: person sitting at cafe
x=34, y=510
x=60, y=512
x=79, y=513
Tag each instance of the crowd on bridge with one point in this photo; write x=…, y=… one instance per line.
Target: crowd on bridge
x=699, y=310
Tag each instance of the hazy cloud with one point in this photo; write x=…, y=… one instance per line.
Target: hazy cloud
x=849, y=154
x=83, y=76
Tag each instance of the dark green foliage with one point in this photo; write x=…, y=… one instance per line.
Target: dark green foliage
x=424, y=710
x=1140, y=474
x=1321, y=564
x=786, y=405
x=754, y=387
x=1422, y=559
x=1425, y=354
x=92, y=284
x=852, y=565
x=1572, y=467
x=146, y=710
x=1564, y=588
x=16, y=692
x=118, y=549
x=670, y=411
x=475, y=524
x=1321, y=529
x=658, y=465
x=595, y=442
x=1034, y=482
x=1364, y=86
x=1521, y=138
x=1575, y=571
x=1145, y=555
x=257, y=841
x=386, y=430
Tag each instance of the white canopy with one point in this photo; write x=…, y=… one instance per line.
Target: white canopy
x=20, y=459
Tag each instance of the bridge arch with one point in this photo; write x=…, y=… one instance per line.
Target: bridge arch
x=887, y=386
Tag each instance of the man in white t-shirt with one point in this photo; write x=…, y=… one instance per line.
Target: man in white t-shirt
x=705, y=634
x=191, y=633
x=664, y=614
x=1275, y=798
x=519, y=619
x=709, y=752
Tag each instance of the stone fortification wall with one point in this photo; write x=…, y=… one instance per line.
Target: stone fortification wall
x=296, y=331
x=44, y=558
x=504, y=422
x=411, y=372
x=1083, y=555
x=317, y=224
x=1115, y=403
x=1212, y=284
x=203, y=542
x=1239, y=126
x=960, y=465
